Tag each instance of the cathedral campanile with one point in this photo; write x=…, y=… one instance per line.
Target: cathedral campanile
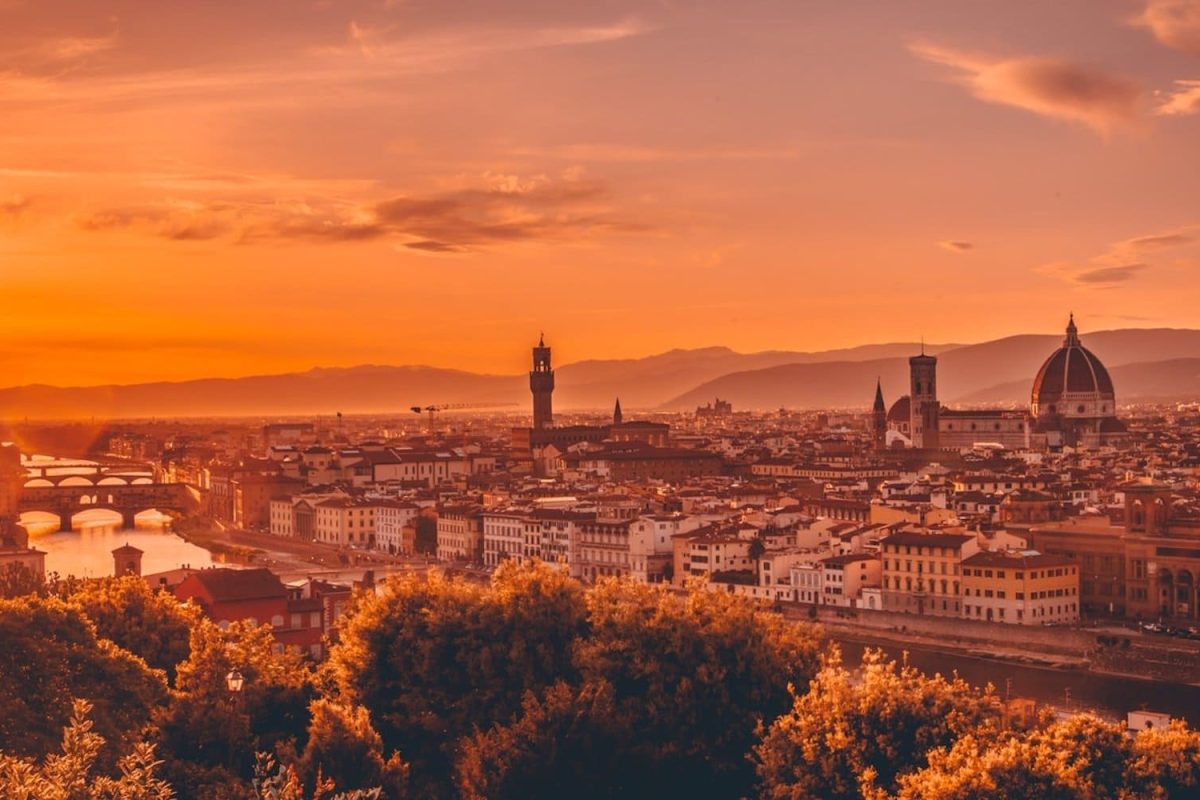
x=924, y=408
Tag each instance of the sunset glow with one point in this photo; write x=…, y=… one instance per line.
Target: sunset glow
x=231, y=188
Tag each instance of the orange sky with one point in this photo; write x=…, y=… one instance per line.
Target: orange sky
x=231, y=187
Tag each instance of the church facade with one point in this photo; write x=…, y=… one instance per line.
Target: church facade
x=1072, y=404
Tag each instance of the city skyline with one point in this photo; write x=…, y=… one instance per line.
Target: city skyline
x=235, y=190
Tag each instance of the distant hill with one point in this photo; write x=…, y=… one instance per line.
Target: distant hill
x=647, y=382
x=1145, y=363
x=639, y=382
x=1175, y=379
x=318, y=391
x=966, y=374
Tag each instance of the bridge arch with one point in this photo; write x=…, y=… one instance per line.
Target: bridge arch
x=112, y=480
x=75, y=480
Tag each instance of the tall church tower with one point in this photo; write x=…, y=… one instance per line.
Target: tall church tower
x=617, y=416
x=541, y=384
x=924, y=408
x=879, y=419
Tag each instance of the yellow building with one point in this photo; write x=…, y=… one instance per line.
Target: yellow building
x=1022, y=587
x=921, y=572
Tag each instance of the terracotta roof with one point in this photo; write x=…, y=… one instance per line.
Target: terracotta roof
x=226, y=585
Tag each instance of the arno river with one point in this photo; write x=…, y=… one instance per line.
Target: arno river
x=87, y=551
x=1112, y=696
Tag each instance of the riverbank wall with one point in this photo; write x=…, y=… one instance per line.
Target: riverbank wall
x=1107, y=650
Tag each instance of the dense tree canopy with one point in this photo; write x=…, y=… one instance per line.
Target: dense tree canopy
x=148, y=623
x=1081, y=758
x=530, y=687
x=849, y=735
x=433, y=659
x=50, y=656
x=345, y=749
x=69, y=773
x=567, y=737
x=203, y=730
x=693, y=677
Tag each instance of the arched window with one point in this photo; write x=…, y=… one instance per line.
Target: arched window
x=1138, y=516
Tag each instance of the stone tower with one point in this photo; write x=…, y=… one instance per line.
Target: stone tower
x=924, y=409
x=617, y=413
x=127, y=560
x=879, y=419
x=1147, y=508
x=541, y=384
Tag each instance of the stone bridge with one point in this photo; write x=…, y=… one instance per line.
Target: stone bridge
x=128, y=501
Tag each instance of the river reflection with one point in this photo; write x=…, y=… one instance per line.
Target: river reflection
x=87, y=551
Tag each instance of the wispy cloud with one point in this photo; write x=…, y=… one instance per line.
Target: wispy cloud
x=1110, y=275
x=499, y=209
x=1184, y=99
x=1158, y=241
x=72, y=48
x=956, y=246
x=368, y=54
x=1046, y=86
x=1175, y=23
x=1125, y=259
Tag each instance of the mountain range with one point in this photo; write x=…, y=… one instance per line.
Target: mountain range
x=1147, y=364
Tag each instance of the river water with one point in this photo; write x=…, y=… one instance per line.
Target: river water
x=1110, y=696
x=87, y=551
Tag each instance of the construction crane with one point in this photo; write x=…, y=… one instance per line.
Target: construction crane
x=445, y=407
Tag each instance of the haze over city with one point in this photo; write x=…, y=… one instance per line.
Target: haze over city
x=224, y=189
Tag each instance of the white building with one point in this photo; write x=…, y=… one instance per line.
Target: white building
x=391, y=518
x=504, y=536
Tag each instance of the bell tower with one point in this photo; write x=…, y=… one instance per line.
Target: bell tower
x=541, y=384
x=924, y=408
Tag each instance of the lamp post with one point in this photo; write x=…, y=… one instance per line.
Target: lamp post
x=234, y=681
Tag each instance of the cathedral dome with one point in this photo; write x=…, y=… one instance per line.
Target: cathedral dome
x=1073, y=382
x=900, y=411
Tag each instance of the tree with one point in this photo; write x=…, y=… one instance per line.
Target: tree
x=693, y=677
x=1082, y=758
x=567, y=737
x=1165, y=763
x=148, y=623
x=432, y=659
x=344, y=748
x=847, y=737
x=425, y=534
x=69, y=774
x=16, y=580
x=206, y=736
x=50, y=655
x=274, y=781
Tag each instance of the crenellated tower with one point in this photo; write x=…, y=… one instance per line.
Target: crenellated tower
x=541, y=384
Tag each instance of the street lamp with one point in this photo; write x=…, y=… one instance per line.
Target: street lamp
x=234, y=681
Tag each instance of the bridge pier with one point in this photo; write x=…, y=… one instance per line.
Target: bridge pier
x=128, y=519
x=64, y=521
